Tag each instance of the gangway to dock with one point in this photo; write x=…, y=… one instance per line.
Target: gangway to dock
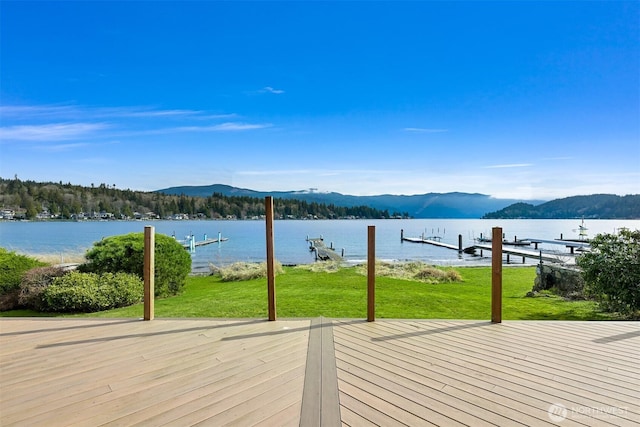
x=323, y=252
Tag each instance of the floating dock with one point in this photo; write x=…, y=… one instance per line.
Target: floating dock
x=524, y=253
x=191, y=243
x=323, y=252
x=539, y=255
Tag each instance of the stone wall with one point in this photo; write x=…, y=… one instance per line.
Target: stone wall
x=561, y=280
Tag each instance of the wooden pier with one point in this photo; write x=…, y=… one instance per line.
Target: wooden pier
x=516, y=251
x=191, y=243
x=323, y=252
x=538, y=255
x=430, y=242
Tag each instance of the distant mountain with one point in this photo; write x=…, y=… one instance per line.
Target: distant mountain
x=596, y=206
x=430, y=205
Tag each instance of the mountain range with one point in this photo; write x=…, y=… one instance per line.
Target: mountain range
x=429, y=205
x=448, y=205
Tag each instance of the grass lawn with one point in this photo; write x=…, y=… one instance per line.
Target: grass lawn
x=342, y=294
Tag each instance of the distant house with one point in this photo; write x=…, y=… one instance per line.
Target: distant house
x=7, y=214
x=45, y=214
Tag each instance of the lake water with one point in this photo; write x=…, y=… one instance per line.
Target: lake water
x=247, y=238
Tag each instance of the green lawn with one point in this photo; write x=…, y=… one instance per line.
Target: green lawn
x=343, y=295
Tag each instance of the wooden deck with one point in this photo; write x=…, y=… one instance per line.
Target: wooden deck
x=183, y=372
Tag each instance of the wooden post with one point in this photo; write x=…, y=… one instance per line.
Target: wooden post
x=371, y=274
x=271, y=274
x=496, y=276
x=149, y=272
x=459, y=242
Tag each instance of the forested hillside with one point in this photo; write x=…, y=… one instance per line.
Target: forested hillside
x=596, y=206
x=36, y=200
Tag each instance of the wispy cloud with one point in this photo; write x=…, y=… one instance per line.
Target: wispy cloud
x=223, y=127
x=61, y=147
x=50, y=132
x=269, y=89
x=425, y=130
x=512, y=165
x=31, y=112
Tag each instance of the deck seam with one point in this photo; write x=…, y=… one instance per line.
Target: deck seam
x=320, y=398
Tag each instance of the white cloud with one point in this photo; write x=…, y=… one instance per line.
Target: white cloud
x=50, y=132
x=223, y=127
x=269, y=89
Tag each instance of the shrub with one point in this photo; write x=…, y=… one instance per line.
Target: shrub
x=612, y=271
x=125, y=253
x=33, y=284
x=12, y=269
x=414, y=270
x=321, y=267
x=240, y=271
x=79, y=292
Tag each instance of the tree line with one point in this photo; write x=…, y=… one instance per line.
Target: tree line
x=595, y=206
x=39, y=200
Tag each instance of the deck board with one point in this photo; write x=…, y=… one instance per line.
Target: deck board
x=88, y=372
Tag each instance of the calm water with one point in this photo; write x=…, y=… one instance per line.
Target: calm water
x=247, y=238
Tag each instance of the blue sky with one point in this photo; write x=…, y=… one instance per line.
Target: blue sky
x=528, y=100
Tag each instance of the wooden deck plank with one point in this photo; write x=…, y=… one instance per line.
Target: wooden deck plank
x=421, y=342
x=485, y=357
x=87, y=372
x=491, y=408
x=442, y=380
x=573, y=365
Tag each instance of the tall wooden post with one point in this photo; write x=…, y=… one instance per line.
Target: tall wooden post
x=371, y=273
x=271, y=273
x=149, y=272
x=496, y=275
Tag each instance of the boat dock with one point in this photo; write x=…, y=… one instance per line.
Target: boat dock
x=430, y=242
x=485, y=245
x=323, y=252
x=538, y=255
x=191, y=243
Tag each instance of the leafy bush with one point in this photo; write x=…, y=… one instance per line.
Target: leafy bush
x=12, y=268
x=240, y=271
x=125, y=253
x=33, y=284
x=79, y=292
x=612, y=271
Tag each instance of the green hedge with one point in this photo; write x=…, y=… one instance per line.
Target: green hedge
x=79, y=292
x=125, y=253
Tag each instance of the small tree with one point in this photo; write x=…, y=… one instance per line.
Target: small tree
x=125, y=253
x=612, y=271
